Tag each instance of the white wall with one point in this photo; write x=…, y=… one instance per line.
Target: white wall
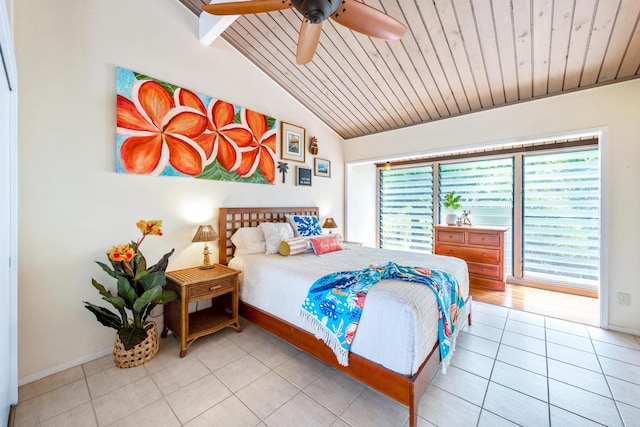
x=73, y=206
x=614, y=108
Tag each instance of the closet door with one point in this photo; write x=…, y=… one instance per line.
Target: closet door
x=8, y=234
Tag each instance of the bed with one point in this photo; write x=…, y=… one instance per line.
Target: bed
x=400, y=374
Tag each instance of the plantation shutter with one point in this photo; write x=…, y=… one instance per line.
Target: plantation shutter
x=561, y=211
x=486, y=189
x=406, y=209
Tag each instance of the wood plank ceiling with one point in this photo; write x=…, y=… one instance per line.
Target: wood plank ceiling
x=458, y=56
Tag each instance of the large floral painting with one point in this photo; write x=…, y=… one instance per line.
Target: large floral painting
x=164, y=129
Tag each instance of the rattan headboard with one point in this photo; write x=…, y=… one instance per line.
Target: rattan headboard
x=231, y=219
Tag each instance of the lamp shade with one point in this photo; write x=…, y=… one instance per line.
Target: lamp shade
x=329, y=223
x=205, y=233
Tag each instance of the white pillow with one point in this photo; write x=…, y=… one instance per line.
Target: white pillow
x=274, y=233
x=248, y=240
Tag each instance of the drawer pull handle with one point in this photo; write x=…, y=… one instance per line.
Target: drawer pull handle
x=213, y=288
x=450, y=251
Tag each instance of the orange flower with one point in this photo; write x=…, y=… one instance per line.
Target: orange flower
x=159, y=132
x=150, y=227
x=121, y=253
x=221, y=138
x=260, y=152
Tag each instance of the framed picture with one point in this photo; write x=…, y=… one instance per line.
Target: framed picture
x=322, y=167
x=292, y=142
x=303, y=175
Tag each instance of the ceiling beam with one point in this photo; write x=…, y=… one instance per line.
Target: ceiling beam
x=211, y=26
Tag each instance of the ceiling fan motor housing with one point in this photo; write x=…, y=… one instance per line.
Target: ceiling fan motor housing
x=316, y=11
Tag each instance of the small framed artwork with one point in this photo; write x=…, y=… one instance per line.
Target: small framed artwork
x=304, y=176
x=322, y=167
x=292, y=142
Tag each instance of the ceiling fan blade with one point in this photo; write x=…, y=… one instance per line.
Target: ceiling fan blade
x=308, y=41
x=369, y=21
x=245, y=7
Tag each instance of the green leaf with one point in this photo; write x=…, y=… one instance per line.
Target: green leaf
x=271, y=122
x=117, y=302
x=166, y=296
x=162, y=264
x=125, y=290
x=105, y=267
x=236, y=118
x=152, y=280
x=130, y=337
x=104, y=316
x=146, y=298
x=217, y=172
x=103, y=291
x=168, y=86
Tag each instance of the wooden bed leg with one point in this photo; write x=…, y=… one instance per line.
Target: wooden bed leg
x=413, y=413
x=469, y=312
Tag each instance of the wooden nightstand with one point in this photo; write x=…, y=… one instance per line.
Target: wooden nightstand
x=220, y=285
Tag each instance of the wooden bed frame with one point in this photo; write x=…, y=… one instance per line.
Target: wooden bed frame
x=407, y=390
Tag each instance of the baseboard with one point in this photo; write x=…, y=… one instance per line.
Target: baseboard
x=42, y=374
x=624, y=330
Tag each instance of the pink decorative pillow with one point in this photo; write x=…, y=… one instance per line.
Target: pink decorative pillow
x=322, y=245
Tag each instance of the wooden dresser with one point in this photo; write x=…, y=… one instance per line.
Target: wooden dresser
x=481, y=247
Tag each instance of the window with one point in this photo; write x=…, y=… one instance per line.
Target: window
x=547, y=194
x=486, y=187
x=561, y=212
x=406, y=209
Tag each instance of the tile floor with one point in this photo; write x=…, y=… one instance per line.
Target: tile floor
x=510, y=368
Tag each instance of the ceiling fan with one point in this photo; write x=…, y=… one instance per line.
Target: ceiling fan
x=350, y=13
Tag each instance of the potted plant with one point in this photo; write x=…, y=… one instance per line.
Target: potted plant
x=139, y=289
x=451, y=204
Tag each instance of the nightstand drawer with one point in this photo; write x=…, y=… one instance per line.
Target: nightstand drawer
x=209, y=290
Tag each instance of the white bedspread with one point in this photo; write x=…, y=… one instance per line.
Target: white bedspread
x=398, y=327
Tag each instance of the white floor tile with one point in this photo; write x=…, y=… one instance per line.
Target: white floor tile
x=463, y=384
x=516, y=407
x=573, y=357
x=301, y=411
x=334, y=390
x=267, y=394
x=589, y=405
x=435, y=408
x=625, y=392
x=523, y=328
x=472, y=362
x=563, y=418
x=479, y=345
x=201, y=395
x=484, y=331
x=229, y=412
x=523, y=316
x=371, y=409
x=567, y=327
x=614, y=337
x=489, y=319
x=494, y=310
x=579, y=377
x=622, y=370
x=630, y=415
x=523, y=359
x=523, y=342
x=489, y=419
x=617, y=352
x=522, y=380
x=570, y=340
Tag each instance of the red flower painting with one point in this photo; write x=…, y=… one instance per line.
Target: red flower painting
x=168, y=130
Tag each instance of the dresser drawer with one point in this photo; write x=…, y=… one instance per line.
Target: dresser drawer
x=446, y=236
x=486, y=270
x=484, y=239
x=209, y=290
x=470, y=254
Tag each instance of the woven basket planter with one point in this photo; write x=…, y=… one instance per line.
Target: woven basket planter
x=139, y=354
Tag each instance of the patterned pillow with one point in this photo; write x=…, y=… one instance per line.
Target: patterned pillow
x=295, y=246
x=274, y=233
x=304, y=225
x=322, y=245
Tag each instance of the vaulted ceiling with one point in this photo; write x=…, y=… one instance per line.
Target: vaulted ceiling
x=457, y=57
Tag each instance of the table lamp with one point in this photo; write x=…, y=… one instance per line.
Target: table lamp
x=329, y=223
x=205, y=233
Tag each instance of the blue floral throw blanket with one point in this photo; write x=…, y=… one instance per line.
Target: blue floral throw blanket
x=334, y=304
